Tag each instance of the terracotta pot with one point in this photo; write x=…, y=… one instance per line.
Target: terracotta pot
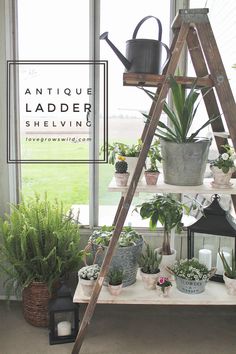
x=115, y=289
x=87, y=286
x=230, y=285
x=221, y=179
x=149, y=280
x=151, y=177
x=122, y=179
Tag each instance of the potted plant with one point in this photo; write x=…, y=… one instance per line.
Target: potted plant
x=149, y=263
x=39, y=244
x=115, y=279
x=151, y=173
x=229, y=275
x=191, y=276
x=127, y=253
x=131, y=153
x=87, y=278
x=168, y=211
x=223, y=168
x=121, y=174
x=184, y=154
x=165, y=286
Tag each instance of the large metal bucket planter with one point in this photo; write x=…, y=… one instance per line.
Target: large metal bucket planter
x=185, y=164
x=125, y=258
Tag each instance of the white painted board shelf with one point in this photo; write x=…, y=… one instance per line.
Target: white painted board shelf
x=214, y=294
x=161, y=187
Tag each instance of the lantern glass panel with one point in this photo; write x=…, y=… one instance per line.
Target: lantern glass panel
x=213, y=243
x=67, y=316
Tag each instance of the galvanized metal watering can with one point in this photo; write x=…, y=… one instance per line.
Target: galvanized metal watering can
x=142, y=55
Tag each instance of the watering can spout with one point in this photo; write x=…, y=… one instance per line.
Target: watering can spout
x=125, y=62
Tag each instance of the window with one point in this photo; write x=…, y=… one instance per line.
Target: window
x=59, y=30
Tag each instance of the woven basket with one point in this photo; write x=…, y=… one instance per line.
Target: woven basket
x=35, y=304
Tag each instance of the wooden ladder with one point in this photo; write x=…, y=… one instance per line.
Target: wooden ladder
x=190, y=26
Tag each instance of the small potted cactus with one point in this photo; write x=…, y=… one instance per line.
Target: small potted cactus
x=121, y=174
x=115, y=277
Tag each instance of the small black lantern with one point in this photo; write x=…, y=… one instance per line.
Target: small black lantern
x=213, y=231
x=63, y=317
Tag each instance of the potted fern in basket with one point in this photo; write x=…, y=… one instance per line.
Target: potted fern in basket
x=39, y=244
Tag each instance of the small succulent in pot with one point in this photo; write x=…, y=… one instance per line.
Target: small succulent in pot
x=229, y=275
x=121, y=174
x=149, y=263
x=115, y=276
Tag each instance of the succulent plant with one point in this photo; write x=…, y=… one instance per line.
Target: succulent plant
x=121, y=165
x=115, y=276
x=150, y=261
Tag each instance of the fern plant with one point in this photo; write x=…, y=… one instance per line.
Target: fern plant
x=38, y=242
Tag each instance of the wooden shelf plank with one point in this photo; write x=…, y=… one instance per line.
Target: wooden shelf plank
x=152, y=80
x=161, y=187
x=214, y=294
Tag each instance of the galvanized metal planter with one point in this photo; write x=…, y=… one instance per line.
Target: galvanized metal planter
x=184, y=164
x=190, y=286
x=125, y=258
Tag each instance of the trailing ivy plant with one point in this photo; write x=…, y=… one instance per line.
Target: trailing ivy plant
x=38, y=242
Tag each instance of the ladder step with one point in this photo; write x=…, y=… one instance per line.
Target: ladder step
x=153, y=80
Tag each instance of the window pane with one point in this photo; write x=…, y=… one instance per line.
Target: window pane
x=54, y=30
x=126, y=122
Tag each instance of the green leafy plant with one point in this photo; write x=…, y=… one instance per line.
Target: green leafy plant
x=226, y=160
x=168, y=211
x=190, y=269
x=154, y=156
x=150, y=261
x=182, y=116
x=38, y=242
x=115, y=276
x=122, y=149
x=128, y=236
x=230, y=272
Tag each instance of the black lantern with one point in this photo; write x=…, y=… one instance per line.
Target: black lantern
x=214, y=231
x=63, y=317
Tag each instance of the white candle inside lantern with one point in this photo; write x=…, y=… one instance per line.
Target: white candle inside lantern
x=205, y=257
x=219, y=264
x=64, y=328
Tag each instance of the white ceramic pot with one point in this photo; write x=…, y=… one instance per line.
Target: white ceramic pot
x=221, y=179
x=167, y=261
x=121, y=179
x=230, y=285
x=149, y=280
x=87, y=286
x=115, y=290
x=132, y=162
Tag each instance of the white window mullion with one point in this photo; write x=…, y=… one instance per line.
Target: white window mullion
x=94, y=146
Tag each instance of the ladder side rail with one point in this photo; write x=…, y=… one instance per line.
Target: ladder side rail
x=219, y=76
x=201, y=70
x=132, y=187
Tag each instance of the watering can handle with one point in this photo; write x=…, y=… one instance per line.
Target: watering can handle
x=168, y=55
x=142, y=21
